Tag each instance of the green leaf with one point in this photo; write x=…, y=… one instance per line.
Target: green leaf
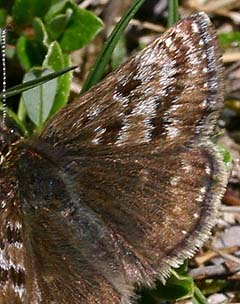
x=24, y=11
x=210, y=286
x=3, y=17
x=56, y=7
x=30, y=52
x=41, y=34
x=178, y=286
x=198, y=297
x=39, y=100
x=56, y=60
x=21, y=48
x=226, y=156
x=227, y=39
x=82, y=27
x=99, y=68
x=34, y=83
x=57, y=24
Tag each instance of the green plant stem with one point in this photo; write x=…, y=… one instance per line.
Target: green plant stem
x=36, y=82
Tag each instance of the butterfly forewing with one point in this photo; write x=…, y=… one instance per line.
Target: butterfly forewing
x=123, y=183
x=167, y=92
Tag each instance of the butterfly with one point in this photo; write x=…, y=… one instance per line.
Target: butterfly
x=122, y=184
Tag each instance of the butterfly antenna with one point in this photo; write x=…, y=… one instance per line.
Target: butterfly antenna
x=4, y=74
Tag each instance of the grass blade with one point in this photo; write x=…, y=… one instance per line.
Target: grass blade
x=99, y=68
x=173, y=15
x=33, y=83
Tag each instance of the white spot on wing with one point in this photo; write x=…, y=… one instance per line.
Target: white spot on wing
x=19, y=290
x=205, y=70
x=175, y=180
x=168, y=42
x=204, y=103
x=195, y=27
x=208, y=170
x=17, y=245
x=94, y=111
x=99, y=131
x=3, y=261
x=203, y=190
x=187, y=167
x=172, y=131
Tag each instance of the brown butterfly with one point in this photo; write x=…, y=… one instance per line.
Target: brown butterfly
x=122, y=184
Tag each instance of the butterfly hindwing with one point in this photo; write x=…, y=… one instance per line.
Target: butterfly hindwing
x=119, y=222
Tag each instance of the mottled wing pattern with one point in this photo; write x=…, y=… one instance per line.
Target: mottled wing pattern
x=140, y=180
x=169, y=91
